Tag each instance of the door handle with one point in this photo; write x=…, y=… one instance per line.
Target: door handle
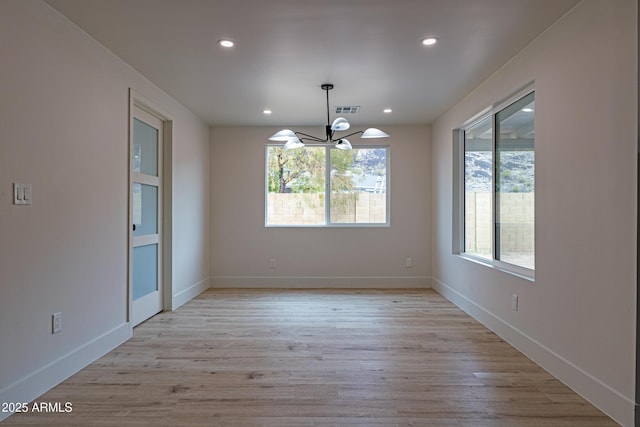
x=134, y=227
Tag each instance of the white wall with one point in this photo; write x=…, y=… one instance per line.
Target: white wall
x=63, y=116
x=578, y=319
x=241, y=245
x=190, y=213
x=63, y=127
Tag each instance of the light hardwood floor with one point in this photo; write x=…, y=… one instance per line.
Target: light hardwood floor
x=315, y=358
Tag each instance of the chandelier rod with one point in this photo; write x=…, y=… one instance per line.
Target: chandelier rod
x=327, y=88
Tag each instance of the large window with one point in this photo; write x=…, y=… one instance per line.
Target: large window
x=321, y=186
x=498, y=180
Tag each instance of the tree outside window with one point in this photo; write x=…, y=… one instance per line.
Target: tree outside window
x=319, y=185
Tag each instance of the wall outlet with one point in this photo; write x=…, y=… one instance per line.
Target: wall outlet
x=272, y=263
x=408, y=262
x=514, y=302
x=56, y=323
x=21, y=194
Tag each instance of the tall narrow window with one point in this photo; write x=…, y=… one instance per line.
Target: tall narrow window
x=515, y=184
x=499, y=186
x=323, y=186
x=359, y=186
x=296, y=186
x=478, y=189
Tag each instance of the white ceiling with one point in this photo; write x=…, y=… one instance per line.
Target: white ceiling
x=369, y=49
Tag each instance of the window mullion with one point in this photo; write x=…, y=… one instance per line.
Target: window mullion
x=462, y=187
x=495, y=183
x=327, y=186
x=342, y=171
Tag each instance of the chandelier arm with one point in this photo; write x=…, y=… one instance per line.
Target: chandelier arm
x=311, y=137
x=341, y=124
x=346, y=136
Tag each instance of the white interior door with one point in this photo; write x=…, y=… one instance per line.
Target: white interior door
x=146, y=215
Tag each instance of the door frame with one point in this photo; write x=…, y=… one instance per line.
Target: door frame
x=139, y=101
x=637, y=373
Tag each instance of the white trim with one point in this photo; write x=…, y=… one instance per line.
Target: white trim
x=514, y=96
x=149, y=106
x=146, y=179
x=514, y=270
x=188, y=294
x=332, y=225
x=308, y=282
x=152, y=303
x=165, y=182
x=610, y=401
x=42, y=380
x=167, y=213
x=327, y=190
x=147, y=239
x=458, y=201
x=458, y=205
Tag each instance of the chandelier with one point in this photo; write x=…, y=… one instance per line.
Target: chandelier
x=295, y=139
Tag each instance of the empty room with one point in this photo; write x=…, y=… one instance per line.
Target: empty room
x=304, y=213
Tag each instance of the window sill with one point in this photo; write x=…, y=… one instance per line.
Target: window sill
x=514, y=270
x=367, y=225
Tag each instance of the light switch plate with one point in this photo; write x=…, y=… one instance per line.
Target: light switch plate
x=56, y=322
x=21, y=194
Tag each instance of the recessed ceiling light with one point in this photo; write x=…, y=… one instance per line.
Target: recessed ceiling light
x=266, y=112
x=387, y=110
x=226, y=43
x=528, y=110
x=430, y=41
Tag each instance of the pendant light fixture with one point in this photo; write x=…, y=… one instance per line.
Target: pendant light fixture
x=296, y=139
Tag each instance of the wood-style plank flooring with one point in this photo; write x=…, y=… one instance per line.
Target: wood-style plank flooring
x=310, y=358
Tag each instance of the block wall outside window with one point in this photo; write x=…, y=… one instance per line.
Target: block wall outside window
x=324, y=186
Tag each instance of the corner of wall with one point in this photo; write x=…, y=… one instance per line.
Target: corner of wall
x=38, y=382
x=610, y=401
x=322, y=282
x=190, y=293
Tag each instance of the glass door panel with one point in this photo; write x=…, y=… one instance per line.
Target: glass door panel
x=145, y=148
x=145, y=270
x=145, y=209
x=146, y=216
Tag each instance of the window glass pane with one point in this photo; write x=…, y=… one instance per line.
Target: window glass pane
x=478, y=189
x=296, y=186
x=359, y=186
x=145, y=148
x=515, y=166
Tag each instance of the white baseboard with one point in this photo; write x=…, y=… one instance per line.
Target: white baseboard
x=296, y=282
x=605, y=398
x=35, y=384
x=190, y=293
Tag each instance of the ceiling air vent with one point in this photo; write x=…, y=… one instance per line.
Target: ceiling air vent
x=347, y=110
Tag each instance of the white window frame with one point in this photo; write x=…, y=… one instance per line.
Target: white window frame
x=327, y=191
x=458, y=243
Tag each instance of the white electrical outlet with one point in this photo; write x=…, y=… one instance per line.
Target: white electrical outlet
x=408, y=263
x=21, y=194
x=514, y=302
x=56, y=325
x=272, y=263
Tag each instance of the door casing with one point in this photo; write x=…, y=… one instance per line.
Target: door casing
x=165, y=225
